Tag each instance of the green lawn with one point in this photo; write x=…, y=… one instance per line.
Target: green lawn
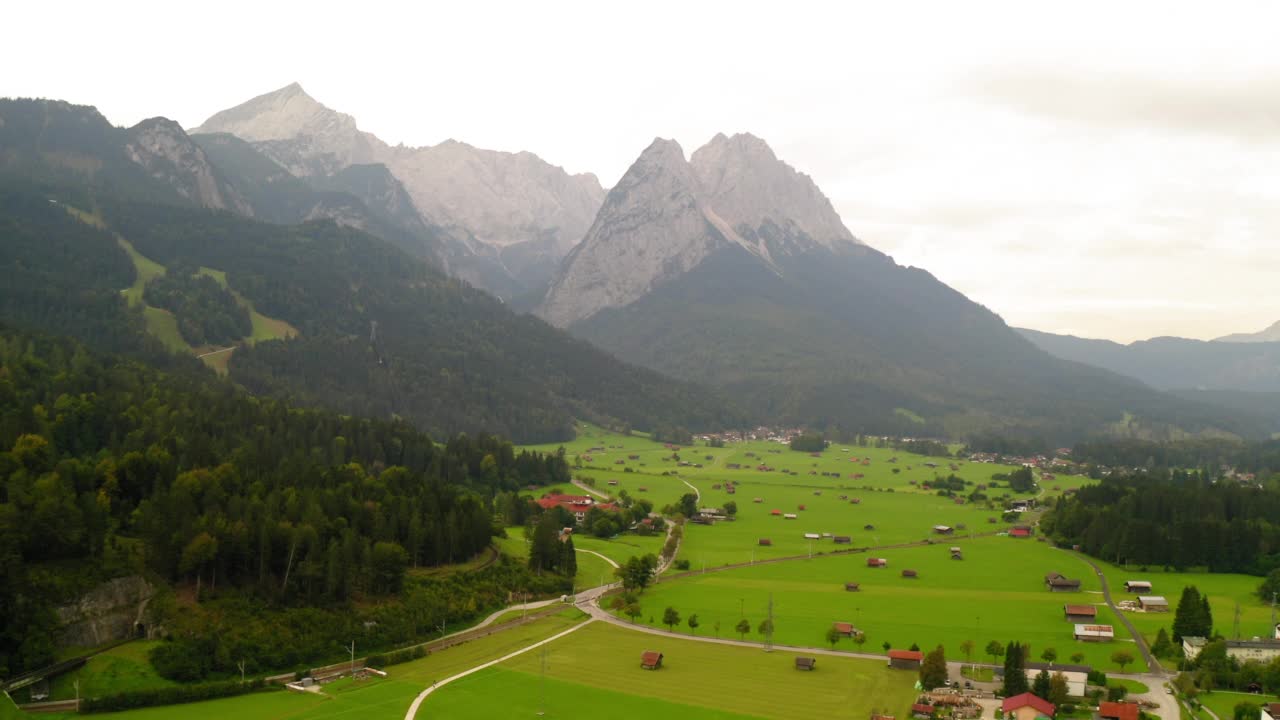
x=996, y=593
x=1223, y=703
x=1133, y=686
x=8, y=710
x=145, y=269
x=264, y=328
x=122, y=668
x=981, y=674
x=385, y=699
x=601, y=665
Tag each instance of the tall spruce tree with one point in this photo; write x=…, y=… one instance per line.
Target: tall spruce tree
x=568, y=558
x=1042, y=686
x=1192, y=618
x=1015, y=670
x=933, y=671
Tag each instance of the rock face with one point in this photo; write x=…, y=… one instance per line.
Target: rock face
x=498, y=208
x=111, y=611
x=165, y=151
x=1271, y=334
x=667, y=215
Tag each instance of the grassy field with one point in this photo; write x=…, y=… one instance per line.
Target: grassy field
x=385, y=699
x=1225, y=591
x=1223, y=703
x=996, y=593
x=1133, y=686
x=595, y=673
x=264, y=328
x=122, y=668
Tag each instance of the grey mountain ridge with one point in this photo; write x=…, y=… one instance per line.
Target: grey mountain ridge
x=508, y=217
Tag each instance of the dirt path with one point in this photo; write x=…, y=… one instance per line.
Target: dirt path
x=589, y=490
x=417, y=702
x=605, y=558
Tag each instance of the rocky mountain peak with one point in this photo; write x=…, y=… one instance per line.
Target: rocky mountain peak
x=1270, y=334
x=162, y=148
x=768, y=203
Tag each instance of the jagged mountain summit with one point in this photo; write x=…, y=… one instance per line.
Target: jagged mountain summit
x=1270, y=334
x=510, y=217
x=732, y=269
x=667, y=214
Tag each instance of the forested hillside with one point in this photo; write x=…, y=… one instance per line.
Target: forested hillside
x=1175, y=519
x=110, y=467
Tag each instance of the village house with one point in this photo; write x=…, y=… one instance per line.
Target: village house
x=1271, y=711
x=1077, y=676
x=1026, y=707
x=1137, y=586
x=921, y=711
x=1258, y=649
x=905, y=659
x=1153, y=603
x=1094, y=633
x=1119, y=711
x=1084, y=614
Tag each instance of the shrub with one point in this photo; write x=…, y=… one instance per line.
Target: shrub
x=170, y=695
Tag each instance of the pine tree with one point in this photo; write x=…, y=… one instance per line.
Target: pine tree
x=1187, y=617
x=1058, y=689
x=1041, y=686
x=1015, y=670
x=568, y=558
x=1204, y=618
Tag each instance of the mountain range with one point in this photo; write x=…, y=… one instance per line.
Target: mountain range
x=504, y=219
x=729, y=270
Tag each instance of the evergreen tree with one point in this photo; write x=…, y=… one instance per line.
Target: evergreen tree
x=933, y=671
x=1186, y=617
x=1204, y=618
x=1015, y=670
x=1042, y=685
x=544, y=549
x=569, y=558
x=1059, y=691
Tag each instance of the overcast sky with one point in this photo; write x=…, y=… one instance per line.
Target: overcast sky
x=1109, y=170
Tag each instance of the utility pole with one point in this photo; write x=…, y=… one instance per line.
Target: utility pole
x=241, y=666
x=353, y=658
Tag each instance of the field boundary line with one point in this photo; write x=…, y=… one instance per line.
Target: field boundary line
x=417, y=702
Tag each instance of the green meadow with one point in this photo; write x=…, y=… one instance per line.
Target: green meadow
x=996, y=592
x=595, y=673
x=382, y=699
x=1226, y=591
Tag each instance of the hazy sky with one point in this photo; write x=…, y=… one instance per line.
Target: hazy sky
x=1109, y=169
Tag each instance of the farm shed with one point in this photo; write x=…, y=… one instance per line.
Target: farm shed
x=812, y=536
x=806, y=663
x=877, y=562
x=910, y=574
x=1020, y=531
x=1119, y=711
x=1137, y=586
x=842, y=540
x=846, y=629
x=905, y=659
x=775, y=512
x=789, y=516
x=855, y=501
x=1153, y=603
x=1026, y=707
x=943, y=530
x=1094, y=633
x=868, y=527
x=1080, y=613
x=800, y=507
x=757, y=500
x=957, y=554
x=765, y=542
x=852, y=587
x=1062, y=584
x=651, y=660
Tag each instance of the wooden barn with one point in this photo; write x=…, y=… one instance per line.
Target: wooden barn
x=877, y=562
x=765, y=542
x=910, y=574
x=852, y=587
x=650, y=660
x=1084, y=614
x=905, y=659
x=806, y=663
x=842, y=540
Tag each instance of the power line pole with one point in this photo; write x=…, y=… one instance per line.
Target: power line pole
x=353, y=658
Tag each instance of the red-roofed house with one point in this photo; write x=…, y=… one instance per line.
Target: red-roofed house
x=1118, y=711
x=920, y=711
x=1026, y=707
x=1020, y=532
x=577, y=505
x=905, y=659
